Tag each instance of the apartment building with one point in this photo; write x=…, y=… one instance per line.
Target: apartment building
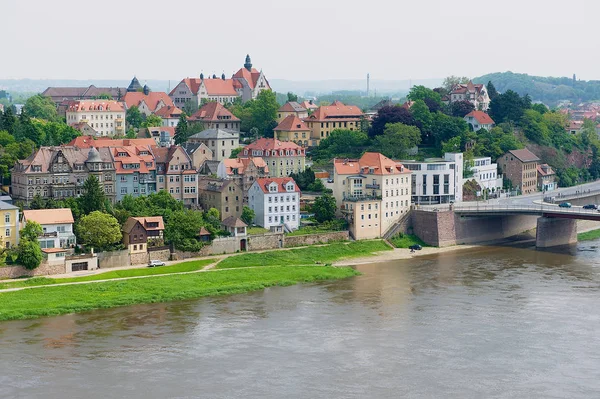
x=276, y=202
x=520, y=167
x=57, y=227
x=293, y=129
x=176, y=174
x=327, y=118
x=485, y=173
x=437, y=180
x=372, y=193
x=221, y=142
x=9, y=222
x=282, y=157
x=222, y=194
x=106, y=117
x=214, y=115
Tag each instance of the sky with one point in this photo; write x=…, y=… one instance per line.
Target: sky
x=298, y=40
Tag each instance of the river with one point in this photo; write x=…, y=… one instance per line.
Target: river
x=491, y=322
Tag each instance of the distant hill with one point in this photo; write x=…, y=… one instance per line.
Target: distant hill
x=548, y=90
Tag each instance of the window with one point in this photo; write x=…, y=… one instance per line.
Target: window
x=7, y=218
x=135, y=247
x=7, y=233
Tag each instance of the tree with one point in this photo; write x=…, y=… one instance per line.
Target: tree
x=390, y=114
x=9, y=120
x=541, y=108
x=341, y=143
x=422, y=92
x=37, y=202
x=491, y=89
x=445, y=127
x=134, y=117
x=29, y=254
x=190, y=107
x=452, y=145
x=423, y=119
x=534, y=128
x=235, y=152
x=452, y=81
x=41, y=107
x=152, y=121
x=263, y=112
x=508, y=107
x=183, y=228
x=461, y=108
x=304, y=179
x=292, y=97
x=99, y=230
x=92, y=198
x=31, y=231
x=396, y=140
x=181, y=130
x=212, y=220
x=248, y=215
x=131, y=134
x=324, y=208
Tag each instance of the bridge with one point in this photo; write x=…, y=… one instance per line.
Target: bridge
x=543, y=210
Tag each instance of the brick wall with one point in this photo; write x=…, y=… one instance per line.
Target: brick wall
x=110, y=259
x=139, y=258
x=42, y=270
x=260, y=242
x=310, y=239
x=555, y=232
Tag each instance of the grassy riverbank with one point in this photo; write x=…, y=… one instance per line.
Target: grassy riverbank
x=56, y=300
x=406, y=240
x=178, y=268
x=589, y=235
x=306, y=255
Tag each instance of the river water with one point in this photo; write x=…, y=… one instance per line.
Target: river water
x=491, y=322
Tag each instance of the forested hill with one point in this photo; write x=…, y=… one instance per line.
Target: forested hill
x=549, y=90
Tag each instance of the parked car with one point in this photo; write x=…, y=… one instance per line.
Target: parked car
x=565, y=205
x=591, y=206
x=415, y=247
x=154, y=263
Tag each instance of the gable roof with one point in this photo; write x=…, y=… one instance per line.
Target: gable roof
x=292, y=123
x=251, y=77
x=292, y=106
x=219, y=87
x=281, y=182
x=241, y=164
x=151, y=219
x=481, y=117
x=90, y=141
x=213, y=111
x=309, y=105
x=524, y=155
x=545, y=170
x=378, y=163
x=264, y=144
x=151, y=99
x=168, y=112
x=49, y=216
x=95, y=105
x=233, y=221
x=215, y=134
x=337, y=110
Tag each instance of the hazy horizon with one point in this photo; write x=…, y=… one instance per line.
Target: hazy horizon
x=313, y=40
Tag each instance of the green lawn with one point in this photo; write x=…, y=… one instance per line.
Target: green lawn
x=306, y=255
x=256, y=230
x=589, y=235
x=148, y=271
x=55, y=300
x=309, y=230
x=406, y=240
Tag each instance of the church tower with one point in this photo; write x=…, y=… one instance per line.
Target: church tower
x=248, y=64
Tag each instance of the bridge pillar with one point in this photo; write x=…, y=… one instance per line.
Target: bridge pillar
x=553, y=232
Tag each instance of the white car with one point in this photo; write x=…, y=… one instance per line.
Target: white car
x=154, y=263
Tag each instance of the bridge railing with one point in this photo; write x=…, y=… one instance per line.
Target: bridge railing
x=523, y=209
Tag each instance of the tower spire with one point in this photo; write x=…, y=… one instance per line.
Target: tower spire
x=248, y=64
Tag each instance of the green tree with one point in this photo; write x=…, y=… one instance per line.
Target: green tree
x=29, y=254
x=461, y=108
x=452, y=81
x=104, y=96
x=9, y=120
x=423, y=119
x=452, y=145
x=99, y=230
x=235, y=152
x=422, y=92
x=183, y=228
x=263, y=111
x=445, y=127
x=396, y=140
x=534, y=128
x=131, y=134
x=304, y=179
x=31, y=231
x=324, y=208
x=41, y=107
x=292, y=97
x=508, y=107
x=181, y=130
x=93, y=198
x=248, y=215
x=212, y=220
x=134, y=117
x=341, y=143
x=37, y=202
x=152, y=121
x=491, y=89
x=390, y=114
x=190, y=107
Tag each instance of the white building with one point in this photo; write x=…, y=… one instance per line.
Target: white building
x=437, y=180
x=372, y=193
x=486, y=174
x=276, y=202
x=106, y=117
x=479, y=120
x=57, y=226
x=221, y=142
x=476, y=94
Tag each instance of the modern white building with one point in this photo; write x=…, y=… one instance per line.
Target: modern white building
x=276, y=202
x=486, y=174
x=436, y=180
x=57, y=226
x=106, y=117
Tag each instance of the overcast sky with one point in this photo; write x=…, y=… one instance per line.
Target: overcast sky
x=298, y=40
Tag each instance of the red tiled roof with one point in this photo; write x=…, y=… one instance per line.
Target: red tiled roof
x=220, y=87
x=481, y=117
x=49, y=216
x=151, y=219
x=380, y=164
x=170, y=111
x=545, y=170
x=336, y=110
x=213, y=111
x=308, y=105
x=292, y=106
x=264, y=144
x=95, y=105
x=524, y=155
x=133, y=156
x=151, y=99
x=242, y=163
x=292, y=123
x=89, y=141
x=250, y=76
x=281, y=182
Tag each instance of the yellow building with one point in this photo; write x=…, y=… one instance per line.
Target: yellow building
x=106, y=117
x=293, y=129
x=9, y=234
x=281, y=157
x=325, y=119
x=291, y=108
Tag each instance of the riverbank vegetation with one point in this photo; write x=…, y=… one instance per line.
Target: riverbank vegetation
x=589, y=235
x=56, y=300
x=306, y=255
x=406, y=240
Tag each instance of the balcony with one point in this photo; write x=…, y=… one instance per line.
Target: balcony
x=359, y=198
x=373, y=186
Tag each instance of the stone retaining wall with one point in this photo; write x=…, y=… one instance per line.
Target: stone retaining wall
x=42, y=270
x=106, y=260
x=139, y=258
x=319, y=238
x=261, y=242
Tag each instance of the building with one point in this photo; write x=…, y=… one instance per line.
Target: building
x=9, y=234
x=57, y=227
x=281, y=157
x=106, y=117
x=214, y=115
x=276, y=202
x=520, y=168
x=546, y=178
x=59, y=172
x=198, y=152
x=246, y=84
x=135, y=170
x=486, y=174
x=62, y=94
x=85, y=129
x=176, y=174
x=163, y=135
x=437, y=180
x=139, y=233
x=244, y=171
x=292, y=128
x=101, y=142
x=372, y=193
x=476, y=94
x=479, y=120
x=222, y=194
x=234, y=226
x=327, y=118
x=221, y=142
x=291, y=108
x=148, y=102
x=309, y=105
x=170, y=115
